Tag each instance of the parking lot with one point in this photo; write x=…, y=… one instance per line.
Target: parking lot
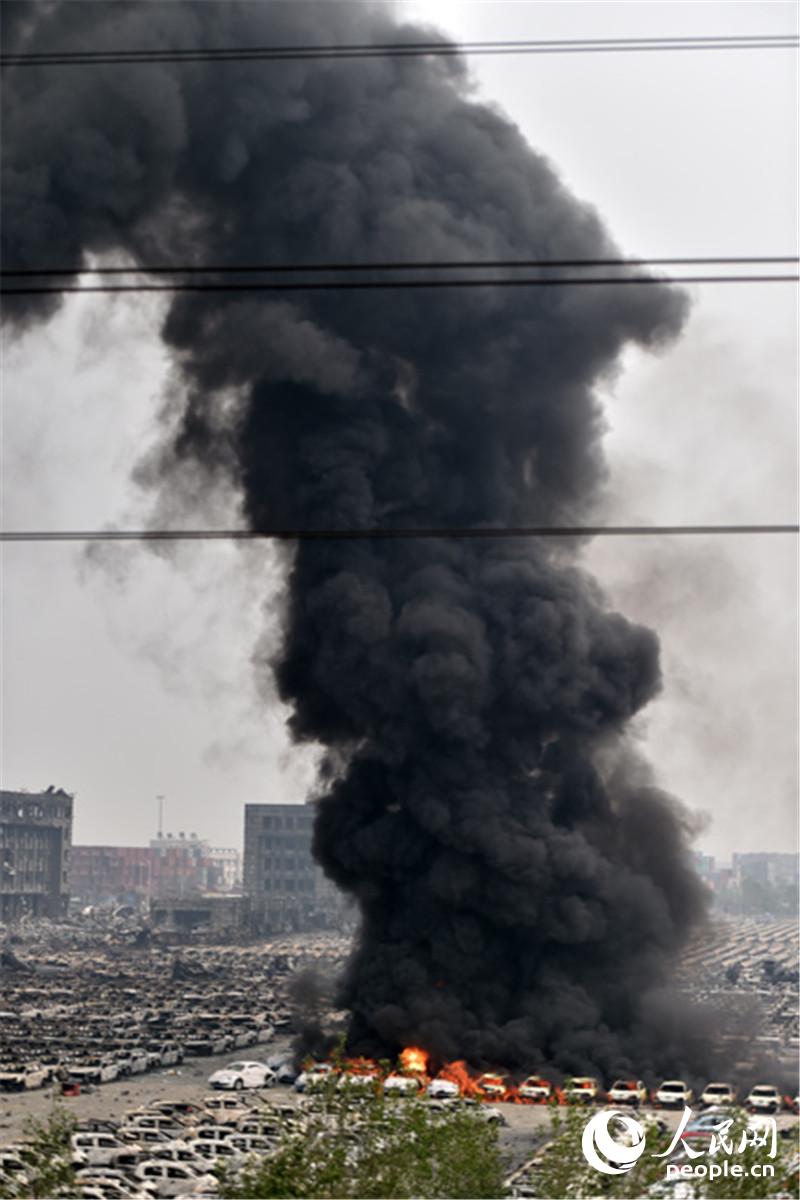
x=143, y=1025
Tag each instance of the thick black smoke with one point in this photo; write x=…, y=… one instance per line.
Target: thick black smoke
x=521, y=879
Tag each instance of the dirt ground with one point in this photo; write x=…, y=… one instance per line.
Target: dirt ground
x=112, y=1100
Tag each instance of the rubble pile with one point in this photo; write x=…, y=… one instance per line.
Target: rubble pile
x=83, y=1008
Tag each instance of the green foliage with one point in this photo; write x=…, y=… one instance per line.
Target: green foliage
x=48, y=1159
x=369, y=1146
x=560, y=1172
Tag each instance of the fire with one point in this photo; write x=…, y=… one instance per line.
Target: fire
x=457, y=1072
x=414, y=1060
x=361, y=1066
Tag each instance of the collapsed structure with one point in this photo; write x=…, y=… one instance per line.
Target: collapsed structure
x=521, y=879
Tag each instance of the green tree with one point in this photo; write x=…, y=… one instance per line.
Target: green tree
x=47, y=1155
x=559, y=1170
x=369, y=1146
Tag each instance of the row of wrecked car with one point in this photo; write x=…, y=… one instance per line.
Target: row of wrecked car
x=85, y=1016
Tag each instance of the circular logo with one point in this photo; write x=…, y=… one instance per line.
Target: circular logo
x=602, y=1152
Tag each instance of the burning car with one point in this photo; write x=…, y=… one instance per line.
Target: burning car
x=443, y=1089
x=400, y=1085
x=628, y=1091
x=492, y=1085
x=314, y=1076
x=673, y=1092
x=361, y=1080
x=536, y=1089
x=582, y=1089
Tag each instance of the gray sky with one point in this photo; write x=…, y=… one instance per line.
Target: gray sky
x=129, y=678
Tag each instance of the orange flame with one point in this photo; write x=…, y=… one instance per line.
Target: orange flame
x=361, y=1066
x=457, y=1072
x=414, y=1060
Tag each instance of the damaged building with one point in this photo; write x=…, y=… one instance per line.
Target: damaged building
x=35, y=840
x=172, y=867
x=286, y=887
x=209, y=914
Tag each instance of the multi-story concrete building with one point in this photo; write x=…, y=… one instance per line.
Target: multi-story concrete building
x=766, y=868
x=286, y=887
x=224, y=869
x=35, y=840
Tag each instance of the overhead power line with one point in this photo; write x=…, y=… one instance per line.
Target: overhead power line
x=383, y=534
x=505, y=264
x=399, y=50
x=330, y=285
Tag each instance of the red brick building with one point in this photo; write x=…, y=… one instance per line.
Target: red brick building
x=171, y=867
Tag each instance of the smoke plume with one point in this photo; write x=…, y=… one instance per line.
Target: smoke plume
x=521, y=879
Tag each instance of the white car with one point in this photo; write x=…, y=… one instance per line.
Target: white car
x=88, y=1174
x=764, y=1098
x=492, y=1085
x=210, y=1152
x=313, y=1077
x=674, y=1091
x=359, y=1080
x=174, y=1179
x=628, y=1091
x=443, y=1089
x=24, y=1077
x=535, y=1088
x=252, y=1143
x=94, y=1149
x=581, y=1089
x=400, y=1085
x=210, y=1135
x=146, y=1120
x=223, y=1110
x=103, y=1189
x=238, y=1075
x=95, y=1071
x=718, y=1093
x=177, y=1151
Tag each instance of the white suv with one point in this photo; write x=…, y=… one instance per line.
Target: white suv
x=674, y=1091
x=443, y=1089
x=535, y=1088
x=718, y=1093
x=764, y=1098
x=628, y=1091
x=582, y=1089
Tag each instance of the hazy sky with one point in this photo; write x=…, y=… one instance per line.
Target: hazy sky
x=130, y=677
